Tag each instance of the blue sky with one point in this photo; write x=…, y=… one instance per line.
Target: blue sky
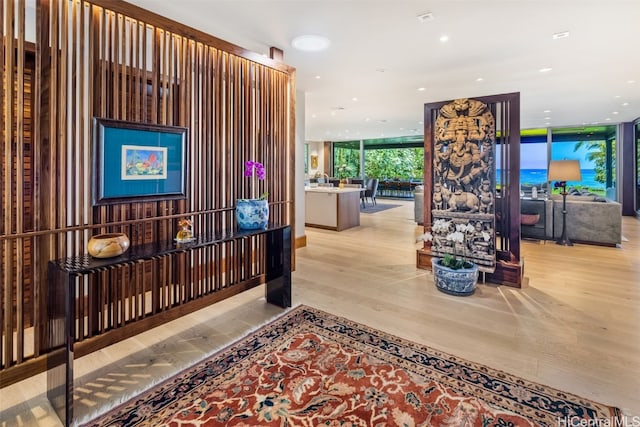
x=534, y=156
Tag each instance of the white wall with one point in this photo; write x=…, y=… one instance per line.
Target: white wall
x=316, y=148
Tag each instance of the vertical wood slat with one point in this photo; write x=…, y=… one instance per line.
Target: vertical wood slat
x=4, y=308
x=19, y=199
x=8, y=107
x=100, y=68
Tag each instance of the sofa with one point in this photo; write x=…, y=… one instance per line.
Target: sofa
x=590, y=219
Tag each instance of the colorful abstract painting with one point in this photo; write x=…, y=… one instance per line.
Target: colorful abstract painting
x=143, y=162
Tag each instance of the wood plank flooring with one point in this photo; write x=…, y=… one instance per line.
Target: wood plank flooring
x=574, y=326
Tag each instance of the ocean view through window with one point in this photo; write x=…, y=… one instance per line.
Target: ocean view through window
x=595, y=164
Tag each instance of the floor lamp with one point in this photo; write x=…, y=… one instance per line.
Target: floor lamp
x=562, y=171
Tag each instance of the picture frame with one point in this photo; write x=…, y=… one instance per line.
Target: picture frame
x=138, y=162
x=314, y=161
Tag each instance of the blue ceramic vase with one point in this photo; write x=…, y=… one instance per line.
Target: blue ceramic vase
x=455, y=282
x=252, y=214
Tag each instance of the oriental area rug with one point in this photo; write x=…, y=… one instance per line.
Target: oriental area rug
x=311, y=368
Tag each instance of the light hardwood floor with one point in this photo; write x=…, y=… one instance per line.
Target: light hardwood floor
x=574, y=326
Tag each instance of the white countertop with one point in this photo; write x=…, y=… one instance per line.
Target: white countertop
x=332, y=190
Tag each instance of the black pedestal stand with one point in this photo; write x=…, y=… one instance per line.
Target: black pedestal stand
x=564, y=240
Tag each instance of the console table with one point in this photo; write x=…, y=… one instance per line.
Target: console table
x=62, y=296
x=541, y=207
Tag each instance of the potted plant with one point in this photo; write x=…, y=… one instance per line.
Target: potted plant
x=253, y=214
x=453, y=273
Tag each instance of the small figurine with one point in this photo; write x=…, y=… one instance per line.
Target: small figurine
x=184, y=234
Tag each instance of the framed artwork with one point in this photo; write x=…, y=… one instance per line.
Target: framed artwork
x=138, y=162
x=314, y=161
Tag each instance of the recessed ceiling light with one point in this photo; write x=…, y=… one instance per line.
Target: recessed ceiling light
x=608, y=119
x=561, y=35
x=354, y=99
x=423, y=17
x=615, y=112
x=421, y=89
x=547, y=123
x=444, y=39
x=317, y=77
x=617, y=96
x=547, y=118
x=546, y=111
x=545, y=69
x=310, y=43
x=479, y=79
x=631, y=81
x=624, y=104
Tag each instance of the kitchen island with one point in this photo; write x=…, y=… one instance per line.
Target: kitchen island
x=332, y=208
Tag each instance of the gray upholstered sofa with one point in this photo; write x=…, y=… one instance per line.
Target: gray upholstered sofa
x=589, y=220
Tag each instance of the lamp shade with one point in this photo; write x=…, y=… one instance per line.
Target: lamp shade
x=564, y=170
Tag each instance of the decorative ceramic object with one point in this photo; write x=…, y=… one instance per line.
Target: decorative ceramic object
x=529, y=218
x=252, y=214
x=185, y=234
x=108, y=245
x=455, y=282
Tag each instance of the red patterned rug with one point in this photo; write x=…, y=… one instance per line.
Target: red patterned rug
x=311, y=368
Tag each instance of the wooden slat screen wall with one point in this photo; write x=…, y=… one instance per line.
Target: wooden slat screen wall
x=109, y=59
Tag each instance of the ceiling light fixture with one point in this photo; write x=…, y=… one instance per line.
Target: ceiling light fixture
x=631, y=81
x=479, y=79
x=421, y=89
x=423, y=17
x=561, y=35
x=545, y=69
x=444, y=39
x=317, y=77
x=354, y=99
x=624, y=104
x=546, y=111
x=310, y=43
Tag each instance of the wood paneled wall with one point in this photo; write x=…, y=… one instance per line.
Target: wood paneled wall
x=110, y=59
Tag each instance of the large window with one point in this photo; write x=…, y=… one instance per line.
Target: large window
x=395, y=163
x=403, y=158
x=595, y=148
x=346, y=162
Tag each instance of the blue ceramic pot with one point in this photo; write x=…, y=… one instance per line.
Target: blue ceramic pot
x=252, y=214
x=455, y=282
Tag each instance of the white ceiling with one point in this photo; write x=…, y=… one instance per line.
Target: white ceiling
x=381, y=54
